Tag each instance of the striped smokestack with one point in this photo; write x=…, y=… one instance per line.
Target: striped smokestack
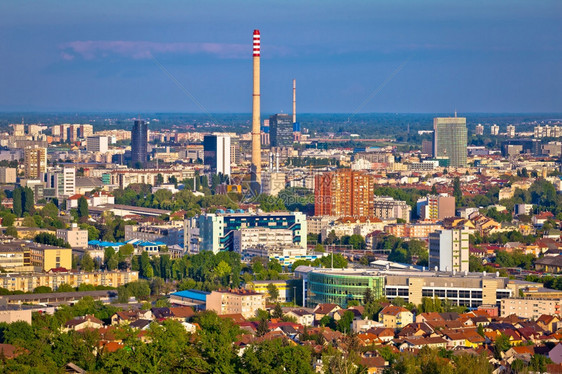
x=294, y=100
x=256, y=141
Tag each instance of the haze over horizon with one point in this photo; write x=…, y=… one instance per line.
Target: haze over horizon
x=347, y=57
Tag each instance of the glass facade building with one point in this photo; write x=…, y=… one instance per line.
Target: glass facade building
x=450, y=140
x=326, y=287
x=281, y=130
x=139, y=144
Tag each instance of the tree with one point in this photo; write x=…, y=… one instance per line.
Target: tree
x=43, y=289
x=11, y=231
x=123, y=294
x=50, y=210
x=501, y=345
x=276, y=356
x=17, y=198
x=262, y=327
x=457, y=192
x=277, y=312
x=87, y=263
x=273, y=292
x=83, y=207
x=28, y=201
x=8, y=219
x=368, y=296
x=65, y=287
x=344, y=324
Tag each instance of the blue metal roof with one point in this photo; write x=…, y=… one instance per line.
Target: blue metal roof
x=192, y=294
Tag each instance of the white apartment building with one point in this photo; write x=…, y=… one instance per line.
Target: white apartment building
x=97, y=144
x=449, y=250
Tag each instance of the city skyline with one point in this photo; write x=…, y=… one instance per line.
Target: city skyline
x=362, y=57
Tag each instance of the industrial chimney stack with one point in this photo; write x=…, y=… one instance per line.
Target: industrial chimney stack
x=256, y=141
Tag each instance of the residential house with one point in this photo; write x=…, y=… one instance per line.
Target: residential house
x=374, y=365
x=395, y=317
x=322, y=310
x=548, y=322
x=81, y=323
x=302, y=316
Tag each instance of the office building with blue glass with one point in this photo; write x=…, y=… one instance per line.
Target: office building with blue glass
x=216, y=230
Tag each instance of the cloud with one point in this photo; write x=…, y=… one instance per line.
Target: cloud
x=91, y=49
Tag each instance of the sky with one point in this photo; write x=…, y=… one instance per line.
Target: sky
x=353, y=56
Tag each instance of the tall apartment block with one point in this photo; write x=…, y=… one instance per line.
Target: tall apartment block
x=510, y=130
x=494, y=129
x=60, y=182
x=216, y=153
x=450, y=139
x=139, y=143
x=281, y=130
x=35, y=162
x=448, y=250
x=387, y=208
x=97, y=144
x=436, y=207
x=344, y=193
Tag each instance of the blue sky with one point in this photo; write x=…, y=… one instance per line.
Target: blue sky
x=347, y=56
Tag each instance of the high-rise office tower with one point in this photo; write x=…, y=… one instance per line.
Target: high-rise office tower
x=448, y=250
x=450, y=139
x=344, y=193
x=35, y=162
x=216, y=150
x=139, y=143
x=281, y=130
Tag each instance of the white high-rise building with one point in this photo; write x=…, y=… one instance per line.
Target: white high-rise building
x=449, y=250
x=217, y=153
x=97, y=144
x=511, y=131
x=495, y=129
x=479, y=129
x=62, y=180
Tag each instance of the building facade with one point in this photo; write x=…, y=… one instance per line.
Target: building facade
x=8, y=175
x=281, y=130
x=77, y=238
x=35, y=162
x=344, y=193
x=387, y=208
x=216, y=149
x=239, y=301
x=139, y=143
x=217, y=230
x=29, y=282
x=97, y=144
x=450, y=139
x=449, y=250
x=471, y=289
